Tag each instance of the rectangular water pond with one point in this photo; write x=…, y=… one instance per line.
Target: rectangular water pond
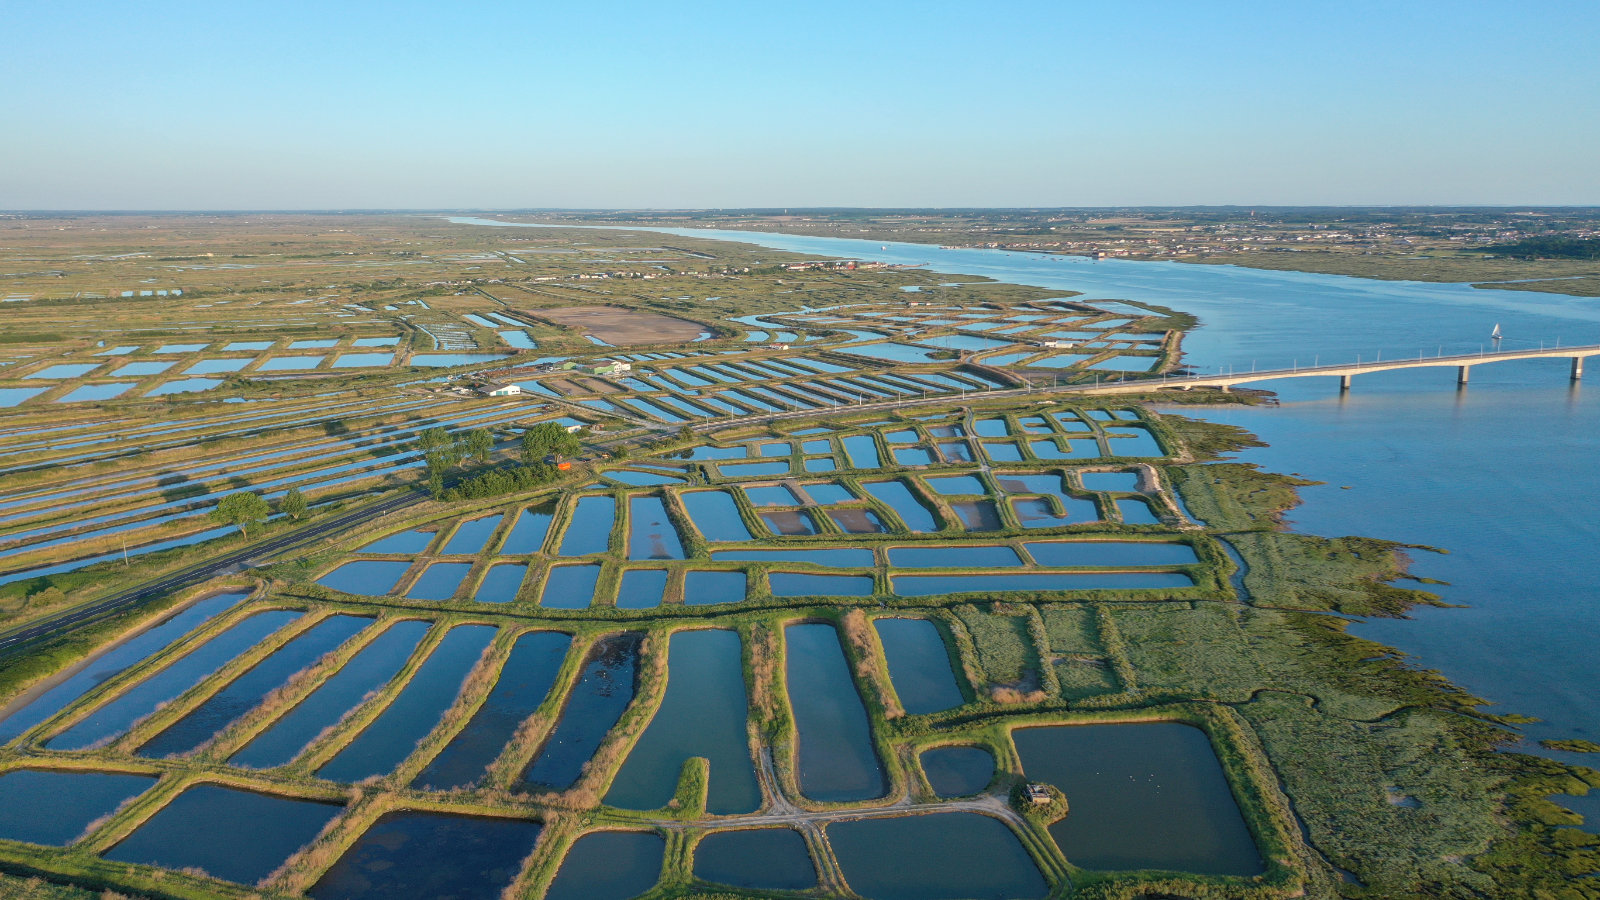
x=771, y=859
x=1111, y=553
x=55, y=808
x=604, y=690
x=837, y=759
x=716, y=515
x=651, y=534
x=367, y=671
x=247, y=691
x=898, y=497
x=570, y=587
x=439, y=581
x=231, y=834
x=112, y=662
x=919, y=665
x=702, y=588
x=523, y=683
x=927, y=585
x=960, y=557
x=836, y=557
x=391, y=737
x=589, y=529
x=803, y=584
x=471, y=536
x=609, y=865
x=641, y=588
x=425, y=854
x=118, y=715
x=941, y=856
x=528, y=534
x=1143, y=796
x=501, y=583
x=369, y=577
x=702, y=714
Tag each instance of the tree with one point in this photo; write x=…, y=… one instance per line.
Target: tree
x=480, y=443
x=548, y=439
x=242, y=509
x=293, y=504
x=686, y=433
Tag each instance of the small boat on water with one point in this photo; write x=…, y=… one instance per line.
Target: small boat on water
x=1495, y=335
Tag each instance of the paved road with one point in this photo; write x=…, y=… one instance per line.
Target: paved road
x=34, y=633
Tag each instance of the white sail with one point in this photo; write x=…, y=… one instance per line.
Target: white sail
x=1496, y=333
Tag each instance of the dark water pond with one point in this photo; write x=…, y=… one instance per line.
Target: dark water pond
x=609, y=865
x=471, y=536
x=1111, y=553
x=919, y=665
x=404, y=542
x=367, y=671
x=703, y=714
x=113, y=662
x=528, y=534
x=603, y=692
x=977, y=515
x=248, y=690
x=235, y=835
x=501, y=583
x=1143, y=796
x=54, y=808
x=856, y=520
x=641, y=588
x=790, y=522
x=439, y=581
x=862, y=451
x=958, y=771
x=703, y=588
x=943, y=856
x=522, y=686
x=385, y=743
x=772, y=859
x=589, y=530
x=804, y=584
x=715, y=514
x=570, y=587
x=1137, y=512
x=1036, y=512
x=837, y=759
x=927, y=585
x=899, y=498
x=837, y=557
x=953, y=557
x=432, y=855
x=651, y=534
x=371, y=577
x=144, y=698
x=1120, y=482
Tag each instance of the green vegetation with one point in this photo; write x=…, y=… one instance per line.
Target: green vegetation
x=293, y=504
x=548, y=439
x=242, y=509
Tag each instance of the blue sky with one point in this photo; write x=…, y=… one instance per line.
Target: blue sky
x=166, y=105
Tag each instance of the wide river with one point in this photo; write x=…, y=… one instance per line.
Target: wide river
x=1504, y=474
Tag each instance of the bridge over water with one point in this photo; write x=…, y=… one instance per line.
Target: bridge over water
x=1462, y=363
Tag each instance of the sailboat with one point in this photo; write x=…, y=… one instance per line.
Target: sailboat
x=1495, y=335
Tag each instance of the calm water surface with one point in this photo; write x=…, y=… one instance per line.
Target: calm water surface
x=774, y=859
x=703, y=714
x=74, y=800
x=422, y=854
x=837, y=759
x=609, y=865
x=391, y=737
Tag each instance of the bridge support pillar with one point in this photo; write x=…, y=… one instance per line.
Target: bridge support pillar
x=1462, y=374
x=1577, y=368
x=1344, y=382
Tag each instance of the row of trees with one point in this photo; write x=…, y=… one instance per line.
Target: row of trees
x=245, y=508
